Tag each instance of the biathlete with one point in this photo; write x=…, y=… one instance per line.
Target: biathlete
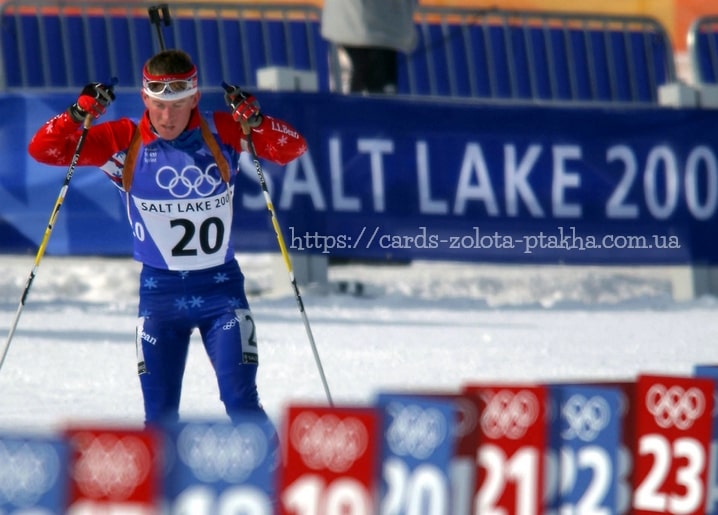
x=174, y=168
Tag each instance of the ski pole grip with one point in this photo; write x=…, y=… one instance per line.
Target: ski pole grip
x=228, y=88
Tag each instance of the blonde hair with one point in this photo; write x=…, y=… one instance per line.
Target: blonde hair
x=169, y=62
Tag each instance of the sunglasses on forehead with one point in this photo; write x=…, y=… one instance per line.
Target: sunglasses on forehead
x=174, y=86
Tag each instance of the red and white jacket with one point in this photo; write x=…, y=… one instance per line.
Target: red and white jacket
x=179, y=203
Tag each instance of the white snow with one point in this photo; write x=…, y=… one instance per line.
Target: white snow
x=426, y=325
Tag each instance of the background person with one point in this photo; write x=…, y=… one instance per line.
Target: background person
x=368, y=35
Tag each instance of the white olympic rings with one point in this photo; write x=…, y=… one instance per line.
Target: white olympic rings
x=191, y=179
x=675, y=406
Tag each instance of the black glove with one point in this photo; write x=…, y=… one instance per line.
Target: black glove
x=245, y=108
x=93, y=100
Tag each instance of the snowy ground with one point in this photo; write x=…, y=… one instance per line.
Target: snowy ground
x=419, y=326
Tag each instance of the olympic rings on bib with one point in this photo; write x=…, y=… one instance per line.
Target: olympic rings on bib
x=191, y=179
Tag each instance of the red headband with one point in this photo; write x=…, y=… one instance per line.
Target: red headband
x=170, y=76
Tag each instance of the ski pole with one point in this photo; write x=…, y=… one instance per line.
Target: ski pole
x=46, y=237
x=283, y=249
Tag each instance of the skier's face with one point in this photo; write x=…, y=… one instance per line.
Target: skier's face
x=170, y=117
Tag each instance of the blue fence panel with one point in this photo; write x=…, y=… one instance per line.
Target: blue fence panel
x=459, y=59
x=63, y=47
x=483, y=62
x=500, y=57
x=638, y=59
x=30, y=50
x=441, y=64
x=517, y=55
x=129, y=43
x=559, y=66
x=274, y=33
x=538, y=64
x=498, y=54
x=319, y=56
x=99, y=62
x=11, y=52
x=255, y=54
x=522, y=85
x=76, y=45
x=236, y=68
x=57, y=65
x=707, y=57
x=210, y=53
x=617, y=67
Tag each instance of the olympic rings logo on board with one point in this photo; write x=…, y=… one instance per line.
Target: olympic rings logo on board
x=111, y=466
x=415, y=431
x=28, y=471
x=586, y=418
x=675, y=406
x=191, y=179
x=223, y=451
x=328, y=442
x=509, y=414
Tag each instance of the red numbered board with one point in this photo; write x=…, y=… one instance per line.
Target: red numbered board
x=513, y=435
x=331, y=461
x=673, y=432
x=114, y=470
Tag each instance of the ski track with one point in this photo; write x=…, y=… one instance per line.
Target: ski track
x=418, y=326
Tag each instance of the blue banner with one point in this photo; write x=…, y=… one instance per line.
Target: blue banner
x=400, y=178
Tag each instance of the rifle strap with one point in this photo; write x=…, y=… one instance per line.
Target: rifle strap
x=128, y=169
